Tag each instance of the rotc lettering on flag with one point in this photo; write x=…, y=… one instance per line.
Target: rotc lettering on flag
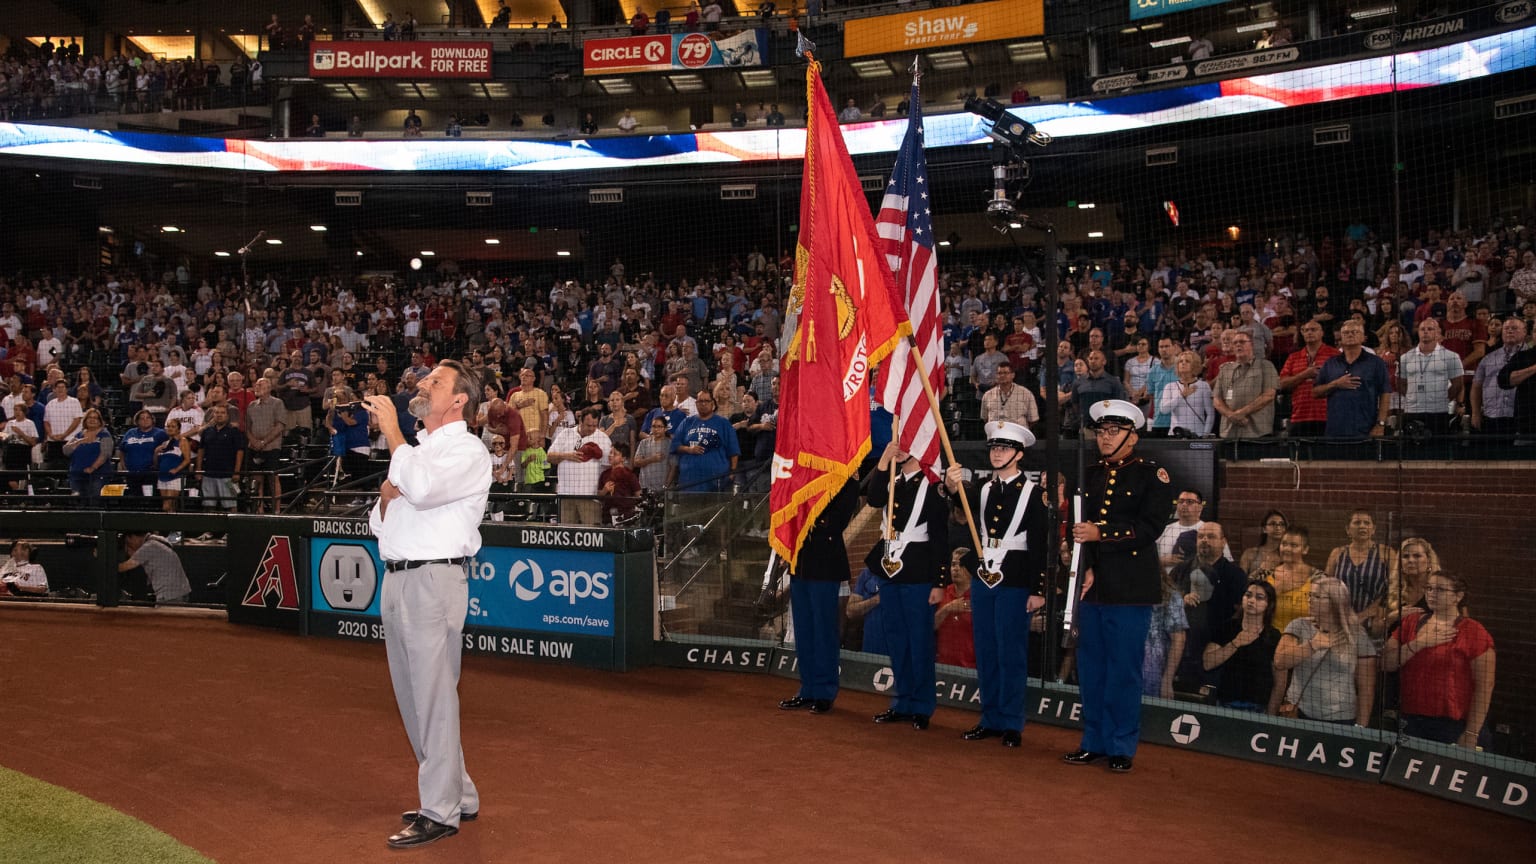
x=905, y=226
x=850, y=318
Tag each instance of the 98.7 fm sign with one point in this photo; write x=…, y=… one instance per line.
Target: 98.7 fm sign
x=668, y=52
x=539, y=590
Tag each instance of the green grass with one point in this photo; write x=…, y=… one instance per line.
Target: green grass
x=44, y=824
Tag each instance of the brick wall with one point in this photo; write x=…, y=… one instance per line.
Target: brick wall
x=1480, y=517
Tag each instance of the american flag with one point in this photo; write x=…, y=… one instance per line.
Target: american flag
x=905, y=226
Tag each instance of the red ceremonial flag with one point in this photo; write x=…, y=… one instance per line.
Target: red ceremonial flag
x=905, y=224
x=850, y=317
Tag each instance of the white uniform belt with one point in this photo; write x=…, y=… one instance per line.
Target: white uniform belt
x=912, y=535
x=1016, y=543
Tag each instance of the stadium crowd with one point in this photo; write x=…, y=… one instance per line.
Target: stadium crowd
x=635, y=381
x=1332, y=339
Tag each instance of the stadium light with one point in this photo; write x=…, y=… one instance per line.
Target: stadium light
x=317, y=228
x=273, y=241
x=221, y=254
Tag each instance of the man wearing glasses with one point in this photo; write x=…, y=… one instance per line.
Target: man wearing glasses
x=1125, y=500
x=1244, y=391
x=706, y=448
x=1177, y=542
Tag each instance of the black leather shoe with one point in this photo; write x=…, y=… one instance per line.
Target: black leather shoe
x=1120, y=764
x=420, y=833
x=1011, y=738
x=919, y=721
x=1082, y=757
x=890, y=715
x=410, y=816
x=794, y=704
x=821, y=706
x=978, y=732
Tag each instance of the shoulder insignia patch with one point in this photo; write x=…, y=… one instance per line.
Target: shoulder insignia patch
x=1162, y=474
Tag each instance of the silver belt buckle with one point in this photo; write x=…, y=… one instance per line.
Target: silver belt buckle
x=993, y=542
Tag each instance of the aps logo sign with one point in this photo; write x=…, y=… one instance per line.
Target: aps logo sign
x=529, y=583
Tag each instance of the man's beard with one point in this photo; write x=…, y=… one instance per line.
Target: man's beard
x=420, y=407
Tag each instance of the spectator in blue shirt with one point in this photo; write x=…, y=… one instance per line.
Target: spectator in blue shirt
x=864, y=603
x=138, y=446
x=706, y=448
x=1356, y=384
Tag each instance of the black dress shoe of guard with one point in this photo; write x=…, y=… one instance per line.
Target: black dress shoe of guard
x=1120, y=764
x=1082, y=757
x=1011, y=738
x=919, y=721
x=410, y=816
x=420, y=833
x=891, y=715
x=821, y=706
x=978, y=732
x=794, y=704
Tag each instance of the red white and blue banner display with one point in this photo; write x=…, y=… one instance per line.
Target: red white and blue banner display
x=1413, y=70
x=671, y=52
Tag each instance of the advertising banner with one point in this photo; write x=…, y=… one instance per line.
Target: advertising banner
x=1445, y=773
x=538, y=590
x=414, y=61
x=268, y=566
x=669, y=52
x=1358, y=754
x=1451, y=26
x=1153, y=8
x=943, y=27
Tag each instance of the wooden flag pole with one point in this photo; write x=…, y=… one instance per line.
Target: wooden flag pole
x=890, y=487
x=949, y=452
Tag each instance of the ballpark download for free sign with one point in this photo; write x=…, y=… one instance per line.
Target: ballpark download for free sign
x=411, y=60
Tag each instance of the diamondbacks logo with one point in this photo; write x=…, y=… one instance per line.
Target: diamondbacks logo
x=1185, y=728
x=274, y=586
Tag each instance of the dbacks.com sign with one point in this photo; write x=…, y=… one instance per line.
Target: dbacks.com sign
x=411, y=60
x=539, y=589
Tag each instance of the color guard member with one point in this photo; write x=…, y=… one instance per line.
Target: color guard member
x=1126, y=501
x=913, y=564
x=1009, y=583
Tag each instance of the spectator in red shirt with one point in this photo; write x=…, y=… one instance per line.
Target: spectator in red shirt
x=1447, y=666
x=1465, y=335
x=952, y=620
x=1219, y=352
x=1309, y=414
x=618, y=485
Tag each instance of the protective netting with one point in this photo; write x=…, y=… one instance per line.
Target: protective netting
x=1232, y=243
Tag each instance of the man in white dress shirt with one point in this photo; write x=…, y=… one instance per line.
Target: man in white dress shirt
x=581, y=454
x=427, y=520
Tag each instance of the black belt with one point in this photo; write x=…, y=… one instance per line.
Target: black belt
x=397, y=566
